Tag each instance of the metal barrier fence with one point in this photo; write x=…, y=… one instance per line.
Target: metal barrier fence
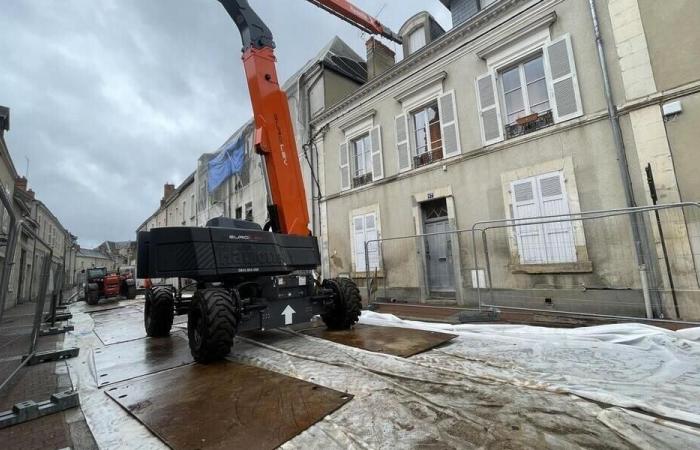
x=584, y=263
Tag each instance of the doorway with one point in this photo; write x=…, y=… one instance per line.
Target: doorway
x=438, y=248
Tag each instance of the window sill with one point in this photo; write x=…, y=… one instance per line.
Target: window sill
x=362, y=275
x=533, y=269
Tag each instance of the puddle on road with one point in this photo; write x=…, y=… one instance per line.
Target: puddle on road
x=395, y=341
x=132, y=359
x=226, y=405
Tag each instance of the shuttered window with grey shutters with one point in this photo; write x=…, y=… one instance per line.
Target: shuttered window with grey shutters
x=448, y=122
x=562, y=80
x=402, y=147
x=377, y=158
x=344, y=167
x=489, y=109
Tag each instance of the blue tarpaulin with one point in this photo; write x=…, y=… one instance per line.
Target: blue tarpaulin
x=227, y=163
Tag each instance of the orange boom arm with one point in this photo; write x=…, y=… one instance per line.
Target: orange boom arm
x=274, y=132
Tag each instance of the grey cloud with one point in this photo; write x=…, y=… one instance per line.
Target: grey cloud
x=112, y=98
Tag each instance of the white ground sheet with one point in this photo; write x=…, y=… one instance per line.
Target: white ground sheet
x=492, y=387
x=628, y=365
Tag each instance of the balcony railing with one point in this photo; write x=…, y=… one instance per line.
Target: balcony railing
x=427, y=158
x=361, y=180
x=530, y=123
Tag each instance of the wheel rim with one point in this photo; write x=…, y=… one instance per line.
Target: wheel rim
x=195, y=324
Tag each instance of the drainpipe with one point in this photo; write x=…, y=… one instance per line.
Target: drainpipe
x=638, y=227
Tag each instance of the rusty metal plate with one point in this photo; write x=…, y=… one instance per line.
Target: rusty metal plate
x=133, y=359
x=395, y=341
x=119, y=325
x=225, y=405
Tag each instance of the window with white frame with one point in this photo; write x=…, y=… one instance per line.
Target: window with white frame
x=524, y=89
x=249, y=211
x=542, y=243
x=416, y=40
x=365, y=230
x=539, y=88
x=361, y=148
x=427, y=134
x=361, y=159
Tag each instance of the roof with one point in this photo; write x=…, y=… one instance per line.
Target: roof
x=91, y=253
x=337, y=56
x=414, y=60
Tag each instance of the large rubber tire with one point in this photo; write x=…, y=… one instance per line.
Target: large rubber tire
x=131, y=292
x=347, y=307
x=91, y=296
x=159, y=311
x=212, y=324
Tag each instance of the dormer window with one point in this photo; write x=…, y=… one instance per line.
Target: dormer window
x=416, y=40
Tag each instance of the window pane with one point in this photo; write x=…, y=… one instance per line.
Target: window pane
x=416, y=40
x=537, y=93
x=534, y=69
x=514, y=104
x=511, y=79
x=420, y=123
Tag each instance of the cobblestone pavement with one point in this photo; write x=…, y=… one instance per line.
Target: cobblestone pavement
x=56, y=431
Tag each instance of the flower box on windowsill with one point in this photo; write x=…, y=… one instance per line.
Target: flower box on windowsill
x=528, y=124
x=362, y=180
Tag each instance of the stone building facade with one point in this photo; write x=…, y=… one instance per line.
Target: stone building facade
x=505, y=117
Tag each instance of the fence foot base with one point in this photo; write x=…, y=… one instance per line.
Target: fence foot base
x=52, y=355
x=59, y=317
x=479, y=316
x=29, y=410
x=55, y=330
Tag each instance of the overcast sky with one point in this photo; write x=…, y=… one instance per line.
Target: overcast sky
x=110, y=99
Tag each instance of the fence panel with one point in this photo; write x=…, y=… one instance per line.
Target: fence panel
x=630, y=262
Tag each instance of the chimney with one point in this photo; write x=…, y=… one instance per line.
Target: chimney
x=31, y=193
x=21, y=183
x=380, y=58
x=4, y=119
x=168, y=191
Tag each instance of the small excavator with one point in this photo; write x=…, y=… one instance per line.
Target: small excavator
x=247, y=276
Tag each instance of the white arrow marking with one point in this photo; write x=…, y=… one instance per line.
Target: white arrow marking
x=288, y=313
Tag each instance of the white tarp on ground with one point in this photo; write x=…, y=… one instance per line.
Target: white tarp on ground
x=628, y=365
x=460, y=395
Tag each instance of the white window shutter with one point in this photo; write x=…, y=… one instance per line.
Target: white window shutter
x=531, y=244
x=344, y=167
x=377, y=158
x=562, y=82
x=358, y=237
x=558, y=236
x=489, y=109
x=402, y=147
x=371, y=237
x=448, y=122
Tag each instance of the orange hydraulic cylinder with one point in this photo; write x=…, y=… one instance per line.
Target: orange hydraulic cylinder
x=274, y=138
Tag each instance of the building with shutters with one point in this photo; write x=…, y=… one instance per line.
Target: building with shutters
x=505, y=116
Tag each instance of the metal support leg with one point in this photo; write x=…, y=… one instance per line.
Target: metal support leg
x=29, y=410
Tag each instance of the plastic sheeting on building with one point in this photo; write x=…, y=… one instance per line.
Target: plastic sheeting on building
x=228, y=162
